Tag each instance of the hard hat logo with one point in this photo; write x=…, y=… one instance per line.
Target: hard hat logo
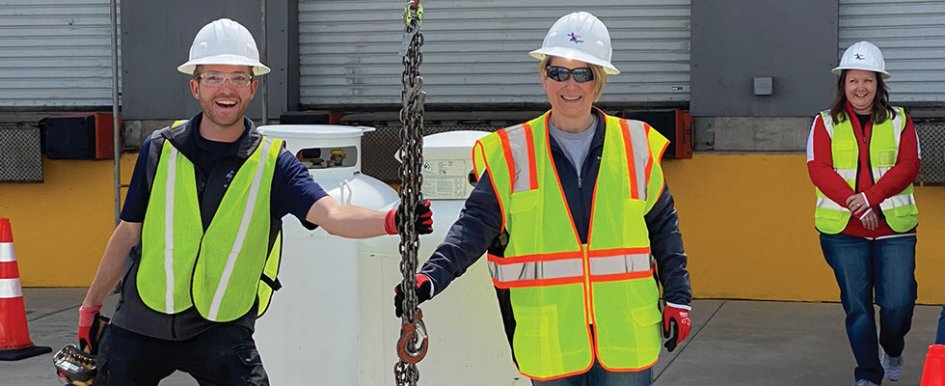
x=567, y=36
x=225, y=42
x=863, y=56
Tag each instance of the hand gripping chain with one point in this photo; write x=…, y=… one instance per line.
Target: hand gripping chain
x=412, y=345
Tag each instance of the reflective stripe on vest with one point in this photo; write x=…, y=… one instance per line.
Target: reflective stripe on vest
x=559, y=286
x=514, y=272
x=899, y=210
x=219, y=270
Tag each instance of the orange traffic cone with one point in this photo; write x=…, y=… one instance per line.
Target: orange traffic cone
x=15, y=341
x=934, y=372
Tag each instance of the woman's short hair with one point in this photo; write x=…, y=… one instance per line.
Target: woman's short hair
x=600, y=76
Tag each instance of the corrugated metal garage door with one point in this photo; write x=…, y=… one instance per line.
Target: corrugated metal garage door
x=476, y=52
x=911, y=34
x=55, y=53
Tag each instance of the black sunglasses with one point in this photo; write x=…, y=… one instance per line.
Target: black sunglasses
x=561, y=74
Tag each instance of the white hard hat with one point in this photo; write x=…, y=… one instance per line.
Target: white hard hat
x=862, y=56
x=224, y=41
x=579, y=36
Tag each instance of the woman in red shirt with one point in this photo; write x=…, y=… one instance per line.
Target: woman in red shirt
x=862, y=155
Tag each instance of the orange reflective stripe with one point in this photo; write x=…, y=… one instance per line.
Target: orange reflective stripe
x=532, y=170
x=622, y=276
x=509, y=159
x=649, y=161
x=631, y=167
x=619, y=251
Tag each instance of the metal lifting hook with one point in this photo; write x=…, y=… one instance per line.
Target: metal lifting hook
x=412, y=345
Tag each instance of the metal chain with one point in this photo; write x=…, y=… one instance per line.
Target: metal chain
x=411, y=347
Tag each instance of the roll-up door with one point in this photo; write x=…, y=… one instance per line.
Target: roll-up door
x=56, y=53
x=911, y=34
x=476, y=52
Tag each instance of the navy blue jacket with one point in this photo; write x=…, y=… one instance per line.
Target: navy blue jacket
x=477, y=228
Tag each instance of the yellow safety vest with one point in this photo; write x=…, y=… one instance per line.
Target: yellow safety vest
x=218, y=271
x=899, y=210
x=558, y=286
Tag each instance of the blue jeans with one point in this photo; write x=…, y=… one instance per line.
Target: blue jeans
x=598, y=376
x=940, y=337
x=886, y=266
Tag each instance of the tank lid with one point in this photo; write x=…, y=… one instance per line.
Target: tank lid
x=462, y=139
x=315, y=131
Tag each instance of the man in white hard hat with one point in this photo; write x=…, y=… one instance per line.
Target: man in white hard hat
x=570, y=207
x=202, y=220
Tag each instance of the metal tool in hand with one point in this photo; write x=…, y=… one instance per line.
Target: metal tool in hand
x=74, y=366
x=412, y=345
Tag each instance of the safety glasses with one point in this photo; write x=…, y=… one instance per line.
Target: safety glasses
x=216, y=79
x=561, y=74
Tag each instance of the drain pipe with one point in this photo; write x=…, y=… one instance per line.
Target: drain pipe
x=116, y=144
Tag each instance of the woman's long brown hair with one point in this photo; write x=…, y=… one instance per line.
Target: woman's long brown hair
x=881, y=108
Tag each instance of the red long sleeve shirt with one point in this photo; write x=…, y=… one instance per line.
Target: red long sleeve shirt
x=823, y=175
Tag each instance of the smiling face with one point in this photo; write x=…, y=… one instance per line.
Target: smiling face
x=570, y=101
x=859, y=86
x=223, y=106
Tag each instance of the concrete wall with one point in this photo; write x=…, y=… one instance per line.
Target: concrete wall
x=156, y=39
x=746, y=220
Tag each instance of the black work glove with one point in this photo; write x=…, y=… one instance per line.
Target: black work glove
x=423, y=225
x=424, y=287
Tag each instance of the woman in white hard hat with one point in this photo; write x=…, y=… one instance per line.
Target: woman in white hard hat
x=570, y=206
x=862, y=156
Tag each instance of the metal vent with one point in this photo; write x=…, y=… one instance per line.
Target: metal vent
x=932, y=144
x=21, y=157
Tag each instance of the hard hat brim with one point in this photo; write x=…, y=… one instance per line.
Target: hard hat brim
x=574, y=55
x=226, y=59
x=839, y=70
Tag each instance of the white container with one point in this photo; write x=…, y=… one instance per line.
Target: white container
x=467, y=340
x=309, y=335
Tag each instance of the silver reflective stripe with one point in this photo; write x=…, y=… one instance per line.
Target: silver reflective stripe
x=897, y=201
x=611, y=265
x=898, y=126
x=10, y=288
x=848, y=174
x=879, y=172
x=6, y=253
x=536, y=270
x=828, y=122
x=241, y=233
x=518, y=144
x=641, y=154
x=169, y=190
x=826, y=203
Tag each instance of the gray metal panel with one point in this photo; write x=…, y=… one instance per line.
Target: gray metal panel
x=477, y=52
x=56, y=53
x=734, y=41
x=911, y=34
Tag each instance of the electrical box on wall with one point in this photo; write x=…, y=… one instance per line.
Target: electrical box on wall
x=674, y=124
x=78, y=136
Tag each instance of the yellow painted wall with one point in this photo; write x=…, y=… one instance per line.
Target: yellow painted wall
x=61, y=226
x=747, y=223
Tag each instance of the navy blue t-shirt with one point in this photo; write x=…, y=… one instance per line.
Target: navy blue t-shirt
x=293, y=189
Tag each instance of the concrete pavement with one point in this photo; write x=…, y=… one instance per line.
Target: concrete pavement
x=733, y=343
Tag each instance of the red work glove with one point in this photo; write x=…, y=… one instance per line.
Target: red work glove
x=675, y=321
x=424, y=292
x=88, y=321
x=423, y=225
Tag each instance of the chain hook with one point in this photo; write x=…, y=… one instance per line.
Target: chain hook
x=412, y=345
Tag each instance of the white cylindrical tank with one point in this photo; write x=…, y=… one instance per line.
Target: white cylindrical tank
x=309, y=335
x=467, y=340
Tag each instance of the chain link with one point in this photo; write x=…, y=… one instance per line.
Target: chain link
x=411, y=136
